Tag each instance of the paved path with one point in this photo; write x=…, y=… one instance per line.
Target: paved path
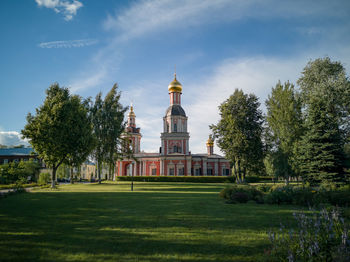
x=5, y=191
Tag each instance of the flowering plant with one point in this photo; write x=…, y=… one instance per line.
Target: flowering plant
x=319, y=236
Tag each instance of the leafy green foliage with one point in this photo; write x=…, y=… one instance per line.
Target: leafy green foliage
x=239, y=131
x=108, y=125
x=241, y=194
x=44, y=178
x=60, y=128
x=82, y=140
x=27, y=170
x=114, y=127
x=284, y=126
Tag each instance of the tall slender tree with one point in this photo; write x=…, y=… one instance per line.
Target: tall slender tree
x=114, y=117
x=99, y=132
x=83, y=140
x=108, y=125
x=239, y=132
x=284, y=120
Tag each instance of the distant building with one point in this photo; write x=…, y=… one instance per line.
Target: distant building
x=88, y=170
x=8, y=155
x=174, y=157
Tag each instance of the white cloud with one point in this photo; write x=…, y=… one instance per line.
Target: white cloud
x=147, y=16
x=68, y=44
x=12, y=138
x=67, y=7
x=253, y=75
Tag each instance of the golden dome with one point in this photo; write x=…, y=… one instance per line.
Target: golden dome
x=210, y=142
x=131, y=113
x=175, y=86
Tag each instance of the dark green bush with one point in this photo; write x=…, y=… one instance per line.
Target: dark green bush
x=195, y=179
x=241, y=194
x=280, y=195
x=240, y=197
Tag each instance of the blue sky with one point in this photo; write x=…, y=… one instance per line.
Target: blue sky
x=217, y=46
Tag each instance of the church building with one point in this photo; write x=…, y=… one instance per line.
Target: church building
x=174, y=157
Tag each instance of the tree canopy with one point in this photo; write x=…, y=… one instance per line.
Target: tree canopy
x=108, y=125
x=238, y=133
x=59, y=129
x=284, y=120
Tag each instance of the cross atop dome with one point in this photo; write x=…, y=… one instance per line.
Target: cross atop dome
x=175, y=86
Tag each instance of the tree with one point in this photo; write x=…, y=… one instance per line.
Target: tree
x=325, y=93
x=53, y=129
x=81, y=138
x=284, y=120
x=327, y=80
x=320, y=153
x=239, y=132
x=108, y=125
x=114, y=125
x=99, y=132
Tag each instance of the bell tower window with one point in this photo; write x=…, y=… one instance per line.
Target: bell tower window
x=175, y=127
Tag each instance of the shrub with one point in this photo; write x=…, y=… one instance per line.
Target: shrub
x=241, y=194
x=192, y=179
x=263, y=187
x=10, y=173
x=320, y=236
x=304, y=196
x=44, y=178
x=280, y=195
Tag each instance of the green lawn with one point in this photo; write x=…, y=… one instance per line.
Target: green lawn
x=156, y=222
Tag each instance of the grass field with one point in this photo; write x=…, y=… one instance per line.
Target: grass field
x=157, y=222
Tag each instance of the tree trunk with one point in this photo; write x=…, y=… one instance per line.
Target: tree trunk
x=71, y=175
x=99, y=172
x=234, y=171
x=239, y=171
x=110, y=171
x=53, y=177
x=287, y=179
x=244, y=173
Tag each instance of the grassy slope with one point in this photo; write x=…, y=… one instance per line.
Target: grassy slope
x=156, y=222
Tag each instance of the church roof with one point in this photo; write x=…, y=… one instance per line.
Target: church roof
x=175, y=110
x=208, y=156
x=23, y=151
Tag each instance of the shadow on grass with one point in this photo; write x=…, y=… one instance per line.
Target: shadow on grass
x=145, y=226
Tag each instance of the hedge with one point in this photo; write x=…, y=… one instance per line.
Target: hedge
x=257, y=179
x=195, y=179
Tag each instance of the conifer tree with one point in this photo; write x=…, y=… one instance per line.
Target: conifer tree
x=325, y=93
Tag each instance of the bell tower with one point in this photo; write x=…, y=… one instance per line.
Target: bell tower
x=175, y=138
x=132, y=132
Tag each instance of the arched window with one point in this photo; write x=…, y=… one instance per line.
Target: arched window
x=167, y=127
x=175, y=127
